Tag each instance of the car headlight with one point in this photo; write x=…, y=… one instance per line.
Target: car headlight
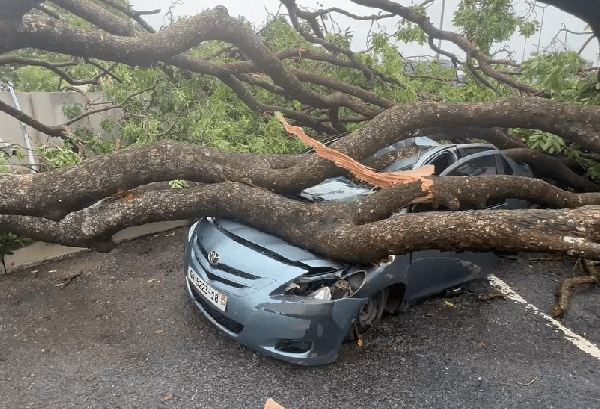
x=327, y=284
x=323, y=293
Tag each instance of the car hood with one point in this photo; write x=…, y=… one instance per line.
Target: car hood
x=272, y=246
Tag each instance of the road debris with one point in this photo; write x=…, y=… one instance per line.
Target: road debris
x=528, y=383
x=271, y=404
x=493, y=296
x=69, y=279
x=567, y=286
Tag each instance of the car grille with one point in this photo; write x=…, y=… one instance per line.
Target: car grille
x=214, y=277
x=224, y=267
x=222, y=320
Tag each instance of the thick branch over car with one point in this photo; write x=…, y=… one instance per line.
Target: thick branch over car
x=102, y=176
x=330, y=229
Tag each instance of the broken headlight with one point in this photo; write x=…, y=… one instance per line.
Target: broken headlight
x=327, y=284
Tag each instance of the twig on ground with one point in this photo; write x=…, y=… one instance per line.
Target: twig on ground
x=70, y=278
x=493, y=296
x=528, y=383
x=567, y=286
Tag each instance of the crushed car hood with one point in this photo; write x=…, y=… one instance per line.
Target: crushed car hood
x=263, y=242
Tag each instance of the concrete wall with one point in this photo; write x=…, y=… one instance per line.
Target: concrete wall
x=38, y=252
x=47, y=107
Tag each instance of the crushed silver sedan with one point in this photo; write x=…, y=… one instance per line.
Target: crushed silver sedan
x=298, y=306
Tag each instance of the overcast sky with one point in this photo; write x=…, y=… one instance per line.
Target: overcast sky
x=257, y=12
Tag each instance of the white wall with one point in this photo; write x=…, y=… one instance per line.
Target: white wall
x=47, y=107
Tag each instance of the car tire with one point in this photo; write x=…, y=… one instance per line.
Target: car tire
x=369, y=315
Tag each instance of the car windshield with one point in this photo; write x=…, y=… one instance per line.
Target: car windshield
x=340, y=189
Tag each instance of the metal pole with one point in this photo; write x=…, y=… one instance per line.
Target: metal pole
x=441, y=25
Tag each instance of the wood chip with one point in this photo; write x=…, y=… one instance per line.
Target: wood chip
x=271, y=404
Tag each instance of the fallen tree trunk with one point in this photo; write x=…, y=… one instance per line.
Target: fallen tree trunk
x=340, y=231
x=55, y=194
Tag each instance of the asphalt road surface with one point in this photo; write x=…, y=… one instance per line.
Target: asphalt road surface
x=123, y=334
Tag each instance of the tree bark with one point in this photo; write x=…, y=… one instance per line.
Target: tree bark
x=330, y=229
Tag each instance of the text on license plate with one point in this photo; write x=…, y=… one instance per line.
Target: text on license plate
x=213, y=296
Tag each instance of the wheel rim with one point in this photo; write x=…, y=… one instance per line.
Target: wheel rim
x=370, y=314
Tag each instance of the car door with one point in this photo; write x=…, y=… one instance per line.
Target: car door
x=433, y=271
x=478, y=164
x=491, y=162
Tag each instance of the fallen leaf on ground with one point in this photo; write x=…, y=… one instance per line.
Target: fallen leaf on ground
x=448, y=304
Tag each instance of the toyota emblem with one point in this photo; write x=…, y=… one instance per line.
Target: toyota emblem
x=213, y=257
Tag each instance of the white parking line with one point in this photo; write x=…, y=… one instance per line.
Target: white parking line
x=577, y=340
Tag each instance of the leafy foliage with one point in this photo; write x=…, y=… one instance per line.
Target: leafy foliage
x=179, y=184
x=486, y=22
x=556, y=74
x=9, y=242
x=58, y=157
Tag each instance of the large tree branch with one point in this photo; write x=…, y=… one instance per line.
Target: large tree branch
x=210, y=26
x=213, y=24
x=10, y=20
x=59, y=36
x=46, y=194
x=98, y=16
x=544, y=165
x=326, y=229
x=15, y=10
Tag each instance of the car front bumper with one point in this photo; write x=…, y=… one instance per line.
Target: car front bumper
x=300, y=330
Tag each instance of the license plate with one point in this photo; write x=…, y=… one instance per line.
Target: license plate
x=213, y=296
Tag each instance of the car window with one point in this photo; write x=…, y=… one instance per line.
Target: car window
x=508, y=170
x=442, y=162
x=480, y=165
x=337, y=189
x=472, y=150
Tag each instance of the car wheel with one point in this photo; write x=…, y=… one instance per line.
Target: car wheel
x=369, y=315
x=456, y=291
